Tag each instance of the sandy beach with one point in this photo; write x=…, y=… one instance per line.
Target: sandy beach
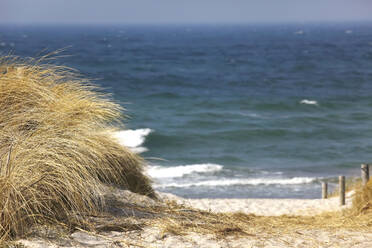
x=266, y=207
x=259, y=236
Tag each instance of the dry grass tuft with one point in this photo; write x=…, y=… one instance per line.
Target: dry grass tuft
x=55, y=147
x=362, y=202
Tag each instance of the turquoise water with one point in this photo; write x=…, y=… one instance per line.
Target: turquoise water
x=229, y=111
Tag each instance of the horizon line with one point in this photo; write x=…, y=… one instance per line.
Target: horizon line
x=21, y=23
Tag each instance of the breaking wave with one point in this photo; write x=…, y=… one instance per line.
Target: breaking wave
x=182, y=170
x=133, y=139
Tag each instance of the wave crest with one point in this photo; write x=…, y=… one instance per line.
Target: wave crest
x=133, y=139
x=182, y=170
x=309, y=102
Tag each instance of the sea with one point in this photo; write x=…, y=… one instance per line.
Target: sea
x=228, y=111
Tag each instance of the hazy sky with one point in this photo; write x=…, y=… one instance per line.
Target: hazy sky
x=186, y=11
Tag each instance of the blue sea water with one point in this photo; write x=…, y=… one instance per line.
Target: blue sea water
x=229, y=111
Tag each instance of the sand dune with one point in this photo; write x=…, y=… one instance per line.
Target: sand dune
x=153, y=236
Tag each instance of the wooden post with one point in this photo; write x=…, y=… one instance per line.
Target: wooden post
x=365, y=173
x=324, y=190
x=341, y=180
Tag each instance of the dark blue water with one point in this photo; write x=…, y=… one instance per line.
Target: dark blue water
x=235, y=111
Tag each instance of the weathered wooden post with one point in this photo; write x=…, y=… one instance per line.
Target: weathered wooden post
x=341, y=181
x=324, y=190
x=365, y=173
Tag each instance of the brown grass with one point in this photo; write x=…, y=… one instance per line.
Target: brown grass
x=55, y=147
x=362, y=201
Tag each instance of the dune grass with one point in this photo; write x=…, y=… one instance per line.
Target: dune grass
x=56, y=146
x=362, y=201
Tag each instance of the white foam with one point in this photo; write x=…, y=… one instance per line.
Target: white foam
x=133, y=139
x=253, y=181
x=180, y=171
x=310, y=102
x=139, y=149
x=249, y=114
x=299, y=32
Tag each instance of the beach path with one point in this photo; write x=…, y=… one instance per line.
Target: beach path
x=265, y=207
